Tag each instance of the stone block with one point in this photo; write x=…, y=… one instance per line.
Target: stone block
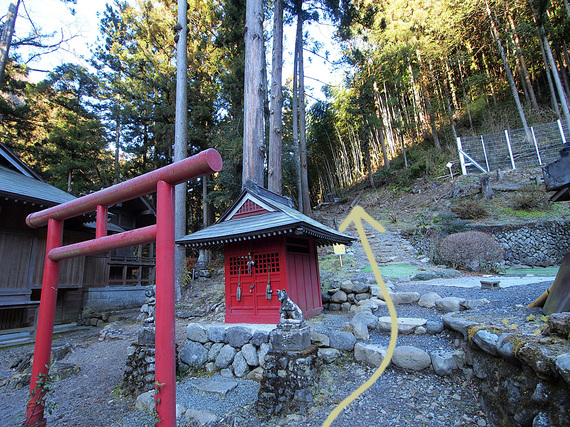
x=194, y=354
x=238, y=336
x=371, y=354
x=146, y=336
x=197, y=333
x=328, y=355
x=320, y=339
x=443, y=362
x=411, y=358
x=291, y=339
x=342, y=340
x=217, y=333
x=225, y=357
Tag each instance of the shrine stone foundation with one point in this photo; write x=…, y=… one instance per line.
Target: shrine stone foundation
x=290, y=372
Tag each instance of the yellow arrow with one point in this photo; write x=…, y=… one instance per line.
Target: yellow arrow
x=357, y=215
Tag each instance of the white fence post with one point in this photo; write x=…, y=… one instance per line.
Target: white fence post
x=510, y=149
x=536, y=146
x=561, y=131
x=461, y=158
x=485, y=153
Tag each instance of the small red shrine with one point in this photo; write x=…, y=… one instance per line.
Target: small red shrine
x=268, y=245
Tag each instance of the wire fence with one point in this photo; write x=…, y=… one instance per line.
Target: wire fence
x=512, y=149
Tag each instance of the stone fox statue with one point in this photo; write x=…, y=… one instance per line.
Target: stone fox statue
x=290, y=312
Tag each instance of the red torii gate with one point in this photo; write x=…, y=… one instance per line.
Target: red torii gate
x=162, y=181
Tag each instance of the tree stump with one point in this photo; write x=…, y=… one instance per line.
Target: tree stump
x=486, y=188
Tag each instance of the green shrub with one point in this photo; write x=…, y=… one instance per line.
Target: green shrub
x=470, y=209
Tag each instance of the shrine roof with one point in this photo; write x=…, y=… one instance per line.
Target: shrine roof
x=259, y=213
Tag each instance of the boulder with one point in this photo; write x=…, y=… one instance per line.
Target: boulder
x=238, y=336
x=367, y=318
x=443, y=362
x=411, y=358
x=239, y=365
x=225, y=357
x=339, y=297
x=328, y=355
x=449, y=304
x=371, y=354
x=342, y=340
x=428, y=300
x=406, y=325
x=197, y=333
x=250, y=355
x=194, y=354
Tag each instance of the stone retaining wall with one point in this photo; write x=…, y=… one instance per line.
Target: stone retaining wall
x=537, y=244
x=241, y=350
x=523, y=376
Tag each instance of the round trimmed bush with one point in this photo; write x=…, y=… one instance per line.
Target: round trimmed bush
x=471, y=250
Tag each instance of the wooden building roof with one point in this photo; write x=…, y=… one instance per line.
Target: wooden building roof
x=260, y=213
x=19, y=182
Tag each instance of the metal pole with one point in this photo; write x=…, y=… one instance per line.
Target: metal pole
x=165, y=368
x=485, y=153
x=561, y=131
x=44, y=329
x=461, y=158
x=536, y=146
x=510, y=149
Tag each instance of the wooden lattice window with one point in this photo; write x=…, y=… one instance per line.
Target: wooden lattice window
x=267, y=262
x=238, y=265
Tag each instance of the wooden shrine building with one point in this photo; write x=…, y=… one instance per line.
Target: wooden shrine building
x=268, y=245
x=118, y=278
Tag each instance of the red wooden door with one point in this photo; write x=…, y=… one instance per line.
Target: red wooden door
x=249, y=271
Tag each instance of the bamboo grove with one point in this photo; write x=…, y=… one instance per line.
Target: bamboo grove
x=427, y=71
x=418, y=74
